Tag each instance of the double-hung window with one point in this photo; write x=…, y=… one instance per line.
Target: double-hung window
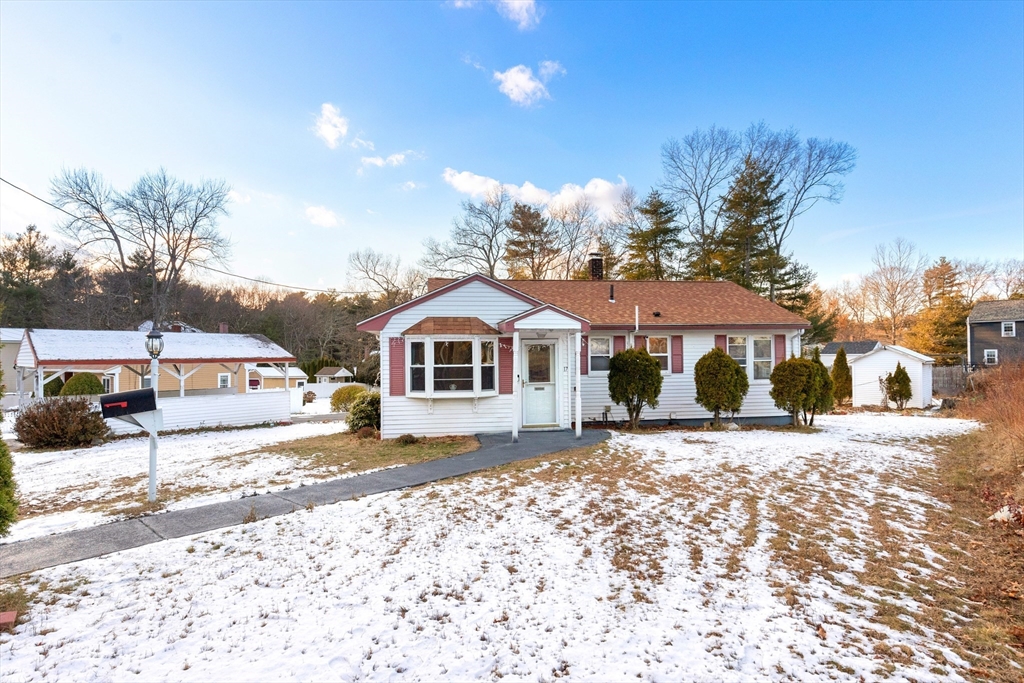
x=600, y=353
x=439, y=367
x=224, y=380
x=762, y=357
x=1009, y=328
x=658, y=348
x=737, y=348
x=991, y=356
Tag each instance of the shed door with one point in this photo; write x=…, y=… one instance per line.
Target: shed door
x=539, y=391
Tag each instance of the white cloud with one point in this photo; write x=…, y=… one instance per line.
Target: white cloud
x=524, y=13
x=392, y=160
x=601, y=193
x=236, y=197
x=358, y=143
x=549, y=69
x=521, y=86
x=322, y=217
x=331, y=126
x=410, y=185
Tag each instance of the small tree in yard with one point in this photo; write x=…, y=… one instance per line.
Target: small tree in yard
x=634, y=381
x=793, y=386
x=842, y=378
x=364, y=412
x=64, y=422
x=8, y=501
x=823, y=398
x=721, y=383
x=898, y=387
x=82, y=384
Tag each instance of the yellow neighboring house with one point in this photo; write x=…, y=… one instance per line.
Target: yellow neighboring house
x=191, y=363
x=270, y=377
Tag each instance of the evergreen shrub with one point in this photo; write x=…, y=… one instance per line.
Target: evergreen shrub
x=897, y=387
x=63, y=422
x=342, y=398
x=793, y=386
x=83, y=384
x=842, y=378
x=8, y=501
x=364, y=412
x=634, y=380
x=721, y=383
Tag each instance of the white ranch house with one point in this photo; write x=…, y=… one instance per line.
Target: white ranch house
x=477, y=355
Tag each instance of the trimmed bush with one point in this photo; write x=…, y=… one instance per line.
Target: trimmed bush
x=342, y=398
x=721, y=383
x=8, y=501
x=366, y=433
x=364, y=412
x=842, y=378
x=897, y=387
x=308, y=397
x=823, y=396
x=793, y=386
x=83, y=384
x=634, y=381
x=406, y=440
x=63, y=422
x=53, y=387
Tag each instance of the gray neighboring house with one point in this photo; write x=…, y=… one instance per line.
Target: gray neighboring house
x=854, y=349
x=995, y=333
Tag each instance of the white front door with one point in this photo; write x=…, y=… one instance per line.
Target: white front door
x=539, y=391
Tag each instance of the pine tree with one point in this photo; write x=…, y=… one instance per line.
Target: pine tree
x=823, y=400
x=751, y=209
x=530, y=249
x=652, y=248
x=842, y=378
x=897, y=385
x=939, y=329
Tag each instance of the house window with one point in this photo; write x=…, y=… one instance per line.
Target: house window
x=762, y=357
x=738, y=350
x=417, y=366
x=991, y=356
x=1009, y=329
x=487, y=366
x=146, y=381
x=658, y=347
x=300, y=383
x=223, y=380
x=107, y=384
x=600, y=353
x=453, y=366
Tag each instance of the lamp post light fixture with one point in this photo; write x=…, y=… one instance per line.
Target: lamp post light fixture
x=154, y=346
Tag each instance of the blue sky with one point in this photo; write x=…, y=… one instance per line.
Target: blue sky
x=931, y=95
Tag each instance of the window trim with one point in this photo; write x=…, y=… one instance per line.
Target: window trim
x=1013, y=328
x=995, y=358
x=754, y=359
x=224, y=374
x=428, y=367
x=590, y=353
x=746, y=365
x=667, y=370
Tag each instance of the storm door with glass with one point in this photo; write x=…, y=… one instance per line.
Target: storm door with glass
x=539, y=391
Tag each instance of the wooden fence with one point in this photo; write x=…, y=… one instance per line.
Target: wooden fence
x=948, y=380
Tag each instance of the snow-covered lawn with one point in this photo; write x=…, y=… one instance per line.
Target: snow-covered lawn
x=65, y=490
x=725, y=556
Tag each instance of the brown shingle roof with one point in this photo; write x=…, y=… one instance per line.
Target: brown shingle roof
x=680, y=302
x=449, y=325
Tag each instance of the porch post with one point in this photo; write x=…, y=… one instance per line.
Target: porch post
x=516, y=394
x=579, y=406
x=286, y=376
x=181, y=380
x=40, y=371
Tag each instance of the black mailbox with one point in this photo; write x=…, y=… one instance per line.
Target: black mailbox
x=128, y=402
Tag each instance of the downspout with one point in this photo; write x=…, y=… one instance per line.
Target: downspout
x=968, y=343
x=636, y=327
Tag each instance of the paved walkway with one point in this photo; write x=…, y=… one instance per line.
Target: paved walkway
x=495, y=449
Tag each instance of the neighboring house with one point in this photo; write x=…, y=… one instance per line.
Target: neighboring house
x=334, y=376
x=478, y=355
x=10, y=342
x=267, y=377
x=995, y=333
x=190, y=363
x=854, y=349
x=874, y=365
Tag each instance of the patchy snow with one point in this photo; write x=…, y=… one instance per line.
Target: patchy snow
x=657, y=558
x=321, y=406
x=199, y=462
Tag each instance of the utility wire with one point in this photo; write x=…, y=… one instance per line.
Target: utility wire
x=200, y=265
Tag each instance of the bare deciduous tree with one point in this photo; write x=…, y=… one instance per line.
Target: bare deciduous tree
x=1009, y=278
x=893, y=288
x=384, y=273
x=161, y=226
x=477, y=240
x=576, y=225
x=976, y=277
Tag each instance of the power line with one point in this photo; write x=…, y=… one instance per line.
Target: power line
x=200, y=265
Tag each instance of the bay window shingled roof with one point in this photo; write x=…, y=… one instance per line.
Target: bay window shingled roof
x=679, y=302
x=451, y=325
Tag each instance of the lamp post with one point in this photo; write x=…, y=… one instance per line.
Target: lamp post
x=154, y=345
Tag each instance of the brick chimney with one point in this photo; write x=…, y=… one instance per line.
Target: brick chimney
x=596, y=266
x=223, y=328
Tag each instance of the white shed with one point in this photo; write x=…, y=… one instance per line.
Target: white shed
x=872, y=366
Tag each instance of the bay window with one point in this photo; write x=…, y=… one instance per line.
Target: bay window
x=738, y=350
x=600, y=353
x=762, y=357
x=439, y=367
x=658, y=348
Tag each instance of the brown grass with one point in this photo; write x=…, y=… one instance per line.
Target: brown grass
x=998, y=400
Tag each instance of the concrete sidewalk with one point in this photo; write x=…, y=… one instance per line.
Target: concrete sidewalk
x=495, y=449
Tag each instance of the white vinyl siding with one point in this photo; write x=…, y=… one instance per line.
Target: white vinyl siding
x=867, y=370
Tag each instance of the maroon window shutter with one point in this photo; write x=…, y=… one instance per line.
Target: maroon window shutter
x=639, y=342
x=396, y=365
x=721, y=343
x=618, y=344
x=584, y=355
x=677, y=353
x=505, y=365
x=780, y=348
